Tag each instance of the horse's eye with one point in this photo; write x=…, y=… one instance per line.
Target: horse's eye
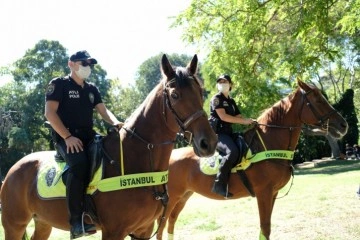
x=174, y=95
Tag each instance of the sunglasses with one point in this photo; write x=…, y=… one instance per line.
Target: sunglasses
x=86, y=63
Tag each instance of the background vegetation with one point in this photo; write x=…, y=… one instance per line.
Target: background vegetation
x=264, y=45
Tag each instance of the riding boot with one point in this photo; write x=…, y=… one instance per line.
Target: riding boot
x=221, y=181
x=74, y=196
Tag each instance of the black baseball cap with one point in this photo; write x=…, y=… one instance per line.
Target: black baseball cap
x=82, y=56
x=224, y=76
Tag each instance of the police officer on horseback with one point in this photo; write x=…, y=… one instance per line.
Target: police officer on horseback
x=223, y=113
x=69, y=106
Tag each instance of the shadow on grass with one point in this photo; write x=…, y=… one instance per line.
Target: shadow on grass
x=330, y=167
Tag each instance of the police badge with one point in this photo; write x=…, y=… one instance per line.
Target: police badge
x=91, y=97
x=50, y=175
x=216, y=102
x=50, y=89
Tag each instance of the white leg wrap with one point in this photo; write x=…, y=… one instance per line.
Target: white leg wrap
x=170, y=236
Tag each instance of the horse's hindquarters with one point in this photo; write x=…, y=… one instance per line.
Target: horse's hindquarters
x=20, y=206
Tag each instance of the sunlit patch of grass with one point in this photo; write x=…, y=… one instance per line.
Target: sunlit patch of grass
x=211, y=225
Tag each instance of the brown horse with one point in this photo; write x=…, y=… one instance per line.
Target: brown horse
x=147, y=138
x=278, y=128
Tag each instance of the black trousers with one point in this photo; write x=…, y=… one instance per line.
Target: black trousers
x=227, y=148
x=77, y=177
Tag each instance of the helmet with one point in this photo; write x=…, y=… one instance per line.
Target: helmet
x=224, y=76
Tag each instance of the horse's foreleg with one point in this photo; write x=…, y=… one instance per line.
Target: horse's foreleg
x=173, y=215
x=265, y=200
x=42, y=231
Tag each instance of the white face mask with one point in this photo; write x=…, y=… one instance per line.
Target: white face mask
x=83, y=72
x=223, y=87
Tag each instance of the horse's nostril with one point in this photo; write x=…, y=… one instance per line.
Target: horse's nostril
x=204, y=144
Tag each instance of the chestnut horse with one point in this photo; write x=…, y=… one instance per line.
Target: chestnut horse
x=278, y=128
x=147, y=140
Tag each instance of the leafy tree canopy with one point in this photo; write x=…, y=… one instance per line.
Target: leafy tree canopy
x=268, y=44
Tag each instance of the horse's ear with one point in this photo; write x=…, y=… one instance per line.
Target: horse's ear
x=303, y=85
x=166, y=68
x=192, y=66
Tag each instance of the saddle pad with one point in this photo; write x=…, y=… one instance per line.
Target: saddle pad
x=49, y=181
x=210, y=165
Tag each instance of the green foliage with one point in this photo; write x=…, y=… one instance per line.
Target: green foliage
x=127, y=107
x=45, y=61
x=311, y=147
x=261, y=42
x=149, y=74
x=266, y=45
x=19, y=139
x=346, y=108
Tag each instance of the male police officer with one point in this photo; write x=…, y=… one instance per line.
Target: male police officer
x=69, y=108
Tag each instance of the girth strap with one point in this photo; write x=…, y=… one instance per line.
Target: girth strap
x=246, y=182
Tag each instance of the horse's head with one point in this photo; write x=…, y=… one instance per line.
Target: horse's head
x=183, y=95
x=317, y=112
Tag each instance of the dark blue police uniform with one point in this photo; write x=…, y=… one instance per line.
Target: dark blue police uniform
x=226, y=146
x=76, y=105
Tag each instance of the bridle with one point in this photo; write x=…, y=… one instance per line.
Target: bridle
x=170, y=102
x=323, y=121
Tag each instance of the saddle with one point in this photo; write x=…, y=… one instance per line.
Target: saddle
x=52, y=174
x=94, y=153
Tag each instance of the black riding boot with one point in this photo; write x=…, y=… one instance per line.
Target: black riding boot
x=75, y=196
x=221, y=181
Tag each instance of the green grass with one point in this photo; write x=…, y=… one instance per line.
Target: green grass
x=322, y=204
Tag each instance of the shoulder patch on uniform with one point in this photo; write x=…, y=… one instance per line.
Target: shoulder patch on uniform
x=50, y=89
x=216, y=101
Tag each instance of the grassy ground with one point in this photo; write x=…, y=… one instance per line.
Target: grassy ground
x=322, y=204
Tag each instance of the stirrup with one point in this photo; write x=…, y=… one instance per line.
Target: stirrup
x=83, y=223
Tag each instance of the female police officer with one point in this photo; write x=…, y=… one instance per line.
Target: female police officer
x=223, y=113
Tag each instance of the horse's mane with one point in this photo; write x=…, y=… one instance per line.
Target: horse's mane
x=274, y=114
